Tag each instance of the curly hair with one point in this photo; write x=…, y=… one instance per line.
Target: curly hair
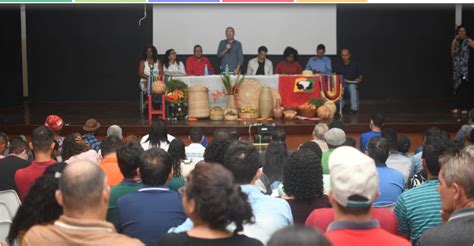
x=71, y=147
x=303, y=175
x=312, y=146
x=40, y=205
x=276, y=157
x=177, y=152
x=215, y=151
x=219, y=200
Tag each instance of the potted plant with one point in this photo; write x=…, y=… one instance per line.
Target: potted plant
x=176, y=98
x=231, y=88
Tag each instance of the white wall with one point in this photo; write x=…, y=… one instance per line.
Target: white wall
x=276, y=26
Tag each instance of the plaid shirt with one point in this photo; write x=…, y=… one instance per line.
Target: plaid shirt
x=92, y=141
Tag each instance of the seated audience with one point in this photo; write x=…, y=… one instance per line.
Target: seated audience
x=215, y=151
x=109, y=163
x=195, y=150
x=234, y=134
x=319, y=63
x=128, y=158
x=84, y=196
x=212, y=201
x=279, y=135
x=290, y=64
x=56, y=124
x=314, y=147
x=470, y=138
x=403, y=145
x=3, y=144
x=260, y=65
x=354, y=187
x=397, y=160
x=221, y=133
x=433, y=131
x=39, y=207
x=151, y=211
x=115, y=130
x=334, y=137
x=196, y=64
x=457, y=203
x=318, y=135
x=43, y=145
x=75, y=148
x=170, y=65
x=16, y=159
x=375, y=125
x=337, y=124
x=276, y=156
x=391, y=183
x=465, y=129
x=351, y=142
x=298, y=235
x=418, y=209
x=90, y=127
x=157, y=137
x=303, y=184
x=181, y=165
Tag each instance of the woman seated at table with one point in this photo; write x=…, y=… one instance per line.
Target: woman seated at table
x=148, y=63
x=290, y=64
x=171, y=66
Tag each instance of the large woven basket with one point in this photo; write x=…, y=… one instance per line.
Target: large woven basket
x=198, y=102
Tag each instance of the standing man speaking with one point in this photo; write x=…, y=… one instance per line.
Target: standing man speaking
x=230, y=52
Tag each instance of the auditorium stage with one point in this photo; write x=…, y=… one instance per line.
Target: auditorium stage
x=410, y=118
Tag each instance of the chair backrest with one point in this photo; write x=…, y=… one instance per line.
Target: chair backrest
x=11, y=199
x=4, y=212
x=4, y=230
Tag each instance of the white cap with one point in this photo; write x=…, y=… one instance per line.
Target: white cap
x=352, y=173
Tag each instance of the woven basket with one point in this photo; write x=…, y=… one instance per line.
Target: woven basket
x=198, y=102
x=249, y=93
x=253, y=115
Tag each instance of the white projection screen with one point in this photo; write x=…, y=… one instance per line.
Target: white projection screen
x=276, y=26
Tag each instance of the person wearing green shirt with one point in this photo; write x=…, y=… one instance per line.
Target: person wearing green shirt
x=334, y=137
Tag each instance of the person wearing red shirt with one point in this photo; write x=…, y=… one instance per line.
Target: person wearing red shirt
x=354, y=187
x=290, y=64
x=195, y=65
x=43, y=146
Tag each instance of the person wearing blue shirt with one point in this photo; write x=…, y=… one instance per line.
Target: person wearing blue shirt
x=352, y=78
x=391, y=182
x=319, y=63
x=376, y=122
x=151, y=211
x=230, y=52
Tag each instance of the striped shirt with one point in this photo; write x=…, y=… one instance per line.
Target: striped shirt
x=418, y=209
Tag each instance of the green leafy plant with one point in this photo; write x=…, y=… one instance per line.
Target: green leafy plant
x=231, y=87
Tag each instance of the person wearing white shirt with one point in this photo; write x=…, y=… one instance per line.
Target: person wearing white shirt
x=260, y=65
x=158, y=136
x=195, y=151
x=171, y=66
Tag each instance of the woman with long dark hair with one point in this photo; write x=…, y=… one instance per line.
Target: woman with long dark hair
x=171, y=66
x=276, y=157
x=212, y=200
x=157, y=137
x=181, y=165
x=148, y=63
x=74, y=148
x=462, y=84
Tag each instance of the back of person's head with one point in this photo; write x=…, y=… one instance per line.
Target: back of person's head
x=303, y=175
x=470, y=137
x=440, y=138
x=218, y=200
x=391, y=136
x=42, y=139
x=279, y=134
x=430, y=155
x=430, y=132
x=128, y=157
x=458, y=168
x=17, y=146
x=470, y=116
x=196, y=134
x=312, y=146
x=276, y=156
x=155, y=167
x=354, y=181
x=335, y=137
x=351, y=142
x=114, y=130
x=158, y=133
x=40, y=205
x=234, y=134
x=377, y=120
x=337, y=124
x=242, y=159
x=110, y=145
x=3, y=139
x=81, y=187
x=319, y=130
x=403, y=143
x=378, y=148
x=220, y=134
x=71, y=147
x=298, y=235
x=177, y=153
x=215, y=150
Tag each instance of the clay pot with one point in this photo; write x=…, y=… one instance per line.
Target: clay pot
x=332, y=108
x=265, y=103
x=277, y=110
x=324, y=112
x=289, y=114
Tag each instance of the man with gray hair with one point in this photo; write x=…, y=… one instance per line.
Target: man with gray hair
x=318, y=135
x=456, y=189
x=84, y=195
x=115, y=130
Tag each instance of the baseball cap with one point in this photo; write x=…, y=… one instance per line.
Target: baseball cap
x=335, y=137
x=352, y=173
x=54, y=122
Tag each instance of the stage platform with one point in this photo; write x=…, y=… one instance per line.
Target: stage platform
x=410, y=118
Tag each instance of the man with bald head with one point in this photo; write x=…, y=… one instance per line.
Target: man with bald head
x=84, y=195
x=352, y=78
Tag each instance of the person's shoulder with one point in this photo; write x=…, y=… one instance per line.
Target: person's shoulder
x=120, y=239
x=320, y=213
x=36, y=233
x=432, y=235
x=244, y=240
x=173, y=238
x=127, y=198
x=326, y=58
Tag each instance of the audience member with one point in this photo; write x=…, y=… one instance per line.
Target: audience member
x=337, y=124
x=319, y=63
x=90, y=127
x=397, y=160
x=470, y=138
x=40, y=206
x=289, y=65
x=56, y=124
x=403, y=145
x=391, y=183
x=433, y=131
x=312, y=146
x=3, y=144
x=220, y=134
x=171, y=66
x=260, y=65
x=276, y=156
x=354, y=187
x=279, y=135
x=465, y=129
x=212, y=201
x=318, y=135
x=418, y=209
x=375, y=125
x=334, y=137
x=234, y=134
x=109, y=164
x=115, y=130
x=303, y=184
x=230, y=53
x=181, y=165
x=197, y=63
x=84, y=196
x=42, y=145
x=215, y=151
x=456, y=179
x=351, y=142
x=15, y=160
x=128, y=158
x=157, y=137
x=75, y=148
x=195, y=151
x=148, y=213
x=298, y=235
